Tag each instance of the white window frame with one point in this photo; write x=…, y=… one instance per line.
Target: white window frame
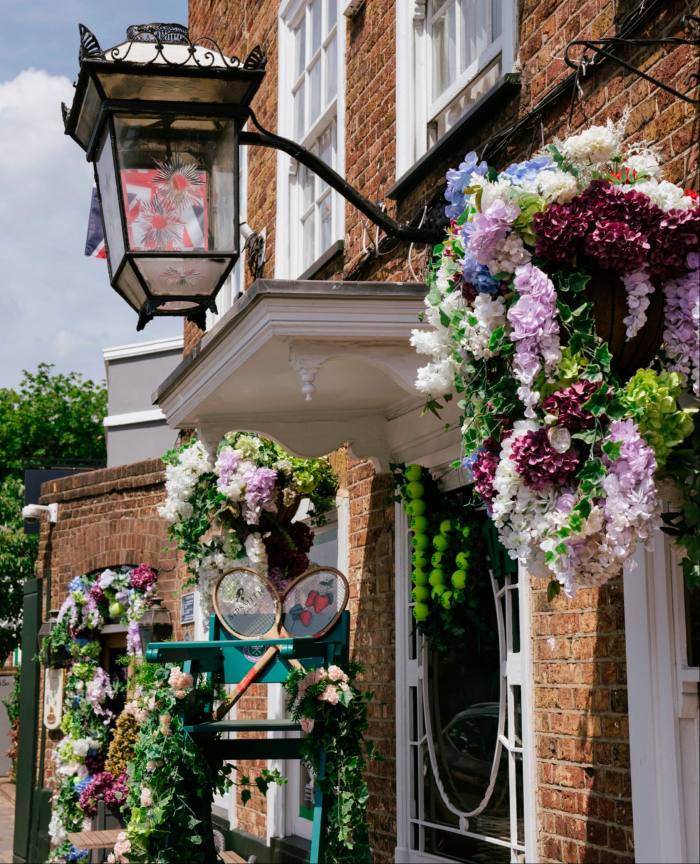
x=517, y=672
x=288, y=234
x=235, y=282
x=414, y=103
x=664, y=717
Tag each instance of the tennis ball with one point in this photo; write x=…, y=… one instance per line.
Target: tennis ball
x=437, y=577
x=436, y=559
x=419, y=559
x=415, y=489
x=413, y=473
x=421, y=611
x=445, y=526
x=420, y=577
x=420, y=542
x=417, y=507
x=438, y=590
x=446, y=599
x=420, y=593
x=462, y=560
x=459, y=579
x=440, y=542
x=466, y=531
x=419, y=525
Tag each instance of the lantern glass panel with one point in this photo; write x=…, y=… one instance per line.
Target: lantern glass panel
x=130, y=286
x=177, y=182
x=109, y=199
x=185, y=277
x=172, y=88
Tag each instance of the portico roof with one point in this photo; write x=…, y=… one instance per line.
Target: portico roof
x=314, y=365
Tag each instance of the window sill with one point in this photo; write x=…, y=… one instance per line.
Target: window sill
x=323, y=259
x=506, y=87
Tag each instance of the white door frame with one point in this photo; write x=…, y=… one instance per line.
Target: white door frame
x=663, y=708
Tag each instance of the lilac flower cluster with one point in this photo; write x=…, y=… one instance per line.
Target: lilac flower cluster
x=227, y=465
x=534, y=330
x=539, y=464
x=475, y=274
x=460, y=179
x=490, y=230
x=260, y=494
x=638, y=287
x=630, y=492
x=681, y=336
x=98, y=691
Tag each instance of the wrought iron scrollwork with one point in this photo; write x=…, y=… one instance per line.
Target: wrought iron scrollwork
x=608, y=49
x=256, y=59
x=167, y=34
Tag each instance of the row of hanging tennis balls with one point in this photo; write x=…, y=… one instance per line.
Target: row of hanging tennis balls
x=431, y=554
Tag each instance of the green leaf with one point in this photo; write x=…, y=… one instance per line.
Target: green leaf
x=612, y=449
x=553, y=590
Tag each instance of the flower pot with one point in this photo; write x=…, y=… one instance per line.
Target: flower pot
x=607, y=292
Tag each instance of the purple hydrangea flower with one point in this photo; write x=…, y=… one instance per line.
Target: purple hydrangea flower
x=475, y=274
x=142, y=577
x=227, y=465
x=490, y=229
x=682, y=323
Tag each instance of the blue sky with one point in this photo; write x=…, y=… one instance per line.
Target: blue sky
x=56, y=305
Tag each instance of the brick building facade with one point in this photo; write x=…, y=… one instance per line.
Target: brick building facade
x=579, y=789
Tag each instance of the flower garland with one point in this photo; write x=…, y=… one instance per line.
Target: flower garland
x=551, y=433
x=122, y=594
x=332, y=712
x=239, y=507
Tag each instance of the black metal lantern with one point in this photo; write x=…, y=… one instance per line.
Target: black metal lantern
x=155, y=625
x=160, y=119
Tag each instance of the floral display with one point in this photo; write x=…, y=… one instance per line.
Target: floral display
x=564, y=444
x=91, y=695
x=332, y=711
x=238, y=507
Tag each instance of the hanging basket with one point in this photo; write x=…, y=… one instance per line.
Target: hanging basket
x=607, y=292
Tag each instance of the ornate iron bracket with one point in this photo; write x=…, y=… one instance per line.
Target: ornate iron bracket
x=607, y=48
x=402, y=231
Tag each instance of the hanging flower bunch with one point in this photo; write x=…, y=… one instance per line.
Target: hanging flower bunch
x=563, y=451
x=332, y=711
x=238, y=507
x=121, y=594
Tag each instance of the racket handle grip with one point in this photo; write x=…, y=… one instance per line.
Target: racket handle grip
x=245, y=683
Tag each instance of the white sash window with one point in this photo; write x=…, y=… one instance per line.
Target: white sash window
x=311, y=111
x=449, y=53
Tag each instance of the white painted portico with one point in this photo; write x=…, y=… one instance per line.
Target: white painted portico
x=313, y=365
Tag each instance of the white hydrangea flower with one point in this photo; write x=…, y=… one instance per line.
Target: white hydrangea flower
x=595, y=145
x=665, y=195
x=492, y=191
x=434, y=343
x=644, y=161
x=57, y=832
x=180, y=480
x=436, y=379
x=490, y=313
x=556, y=186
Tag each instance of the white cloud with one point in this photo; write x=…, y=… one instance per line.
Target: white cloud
x=55, y=305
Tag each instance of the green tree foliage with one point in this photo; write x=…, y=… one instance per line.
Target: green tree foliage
x=51, y=419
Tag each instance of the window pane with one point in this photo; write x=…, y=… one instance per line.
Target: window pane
x=331, y=70
x=444, y=48
x=475, y=27
x=307, y=187
x=300, y=49
x=496, y=19
x=326, y=222
x=315, y=82
x=315, y=25
x=299, y=125
x=308, y=240
x=331, y=14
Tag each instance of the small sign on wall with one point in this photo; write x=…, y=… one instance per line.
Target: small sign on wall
x=187, y=608
x=53, y=697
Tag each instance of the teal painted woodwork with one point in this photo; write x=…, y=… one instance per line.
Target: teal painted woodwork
x=231, y=659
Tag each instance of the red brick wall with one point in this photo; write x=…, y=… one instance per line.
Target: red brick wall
x=581, y=726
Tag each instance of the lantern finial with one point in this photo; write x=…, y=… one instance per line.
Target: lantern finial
x=89, y=46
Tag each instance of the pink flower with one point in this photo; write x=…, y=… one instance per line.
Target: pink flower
x=122, y=847
x=145, y=798
x=330, y=695
x=180, y=694
x=335, y=673
x=307, y=725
